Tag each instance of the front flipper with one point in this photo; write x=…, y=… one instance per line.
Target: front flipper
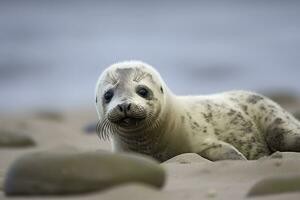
x=218, y=150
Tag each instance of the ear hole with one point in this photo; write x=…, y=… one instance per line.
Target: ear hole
x=161, y=89
x=96, y=100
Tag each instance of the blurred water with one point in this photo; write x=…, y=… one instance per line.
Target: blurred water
x=52, y=52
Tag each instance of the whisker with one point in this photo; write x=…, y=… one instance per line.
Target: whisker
x=104, y=129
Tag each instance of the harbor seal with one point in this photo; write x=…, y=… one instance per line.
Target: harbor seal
x=138, y=112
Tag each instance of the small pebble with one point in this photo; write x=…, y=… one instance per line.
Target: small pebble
x=90, y=128
x=14, y=138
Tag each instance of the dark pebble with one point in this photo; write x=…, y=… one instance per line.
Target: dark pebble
x=14, y=138
x=90, y=128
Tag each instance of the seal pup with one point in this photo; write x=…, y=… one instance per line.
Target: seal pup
x=138, y=112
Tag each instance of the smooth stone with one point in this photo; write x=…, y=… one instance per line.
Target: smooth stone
x=187, y=158
x=282, y=155
x=66, y=172
x=276, y=185
x=13, y=138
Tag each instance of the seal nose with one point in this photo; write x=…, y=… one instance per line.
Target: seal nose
x=124, y=107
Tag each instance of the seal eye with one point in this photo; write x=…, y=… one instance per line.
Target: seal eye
x=161, y=89
x=143, y=92
x=108, y=96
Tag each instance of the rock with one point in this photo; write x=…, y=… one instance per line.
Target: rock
x=287, y=100
x=90, y=128
x=283, y=98
x=276, y=185
x=66, y=172
x=187, y=158
x=297, y=114
x=14, y=138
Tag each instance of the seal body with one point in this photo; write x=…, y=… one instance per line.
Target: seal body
x=138, y=112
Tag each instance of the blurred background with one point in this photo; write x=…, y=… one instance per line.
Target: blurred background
x=52, y=52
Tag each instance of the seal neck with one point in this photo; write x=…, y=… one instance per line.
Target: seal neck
x=155, y=140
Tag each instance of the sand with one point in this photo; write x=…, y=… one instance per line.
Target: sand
x=189, y=176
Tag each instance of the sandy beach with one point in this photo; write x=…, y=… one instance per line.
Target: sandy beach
x=189, y=176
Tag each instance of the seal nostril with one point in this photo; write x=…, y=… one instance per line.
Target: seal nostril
x=124, y=107
x=128, y=107
x=120, y=108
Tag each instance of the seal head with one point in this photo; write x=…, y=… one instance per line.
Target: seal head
x=129, y=98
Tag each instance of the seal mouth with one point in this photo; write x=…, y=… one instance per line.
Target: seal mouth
x=129, y=121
